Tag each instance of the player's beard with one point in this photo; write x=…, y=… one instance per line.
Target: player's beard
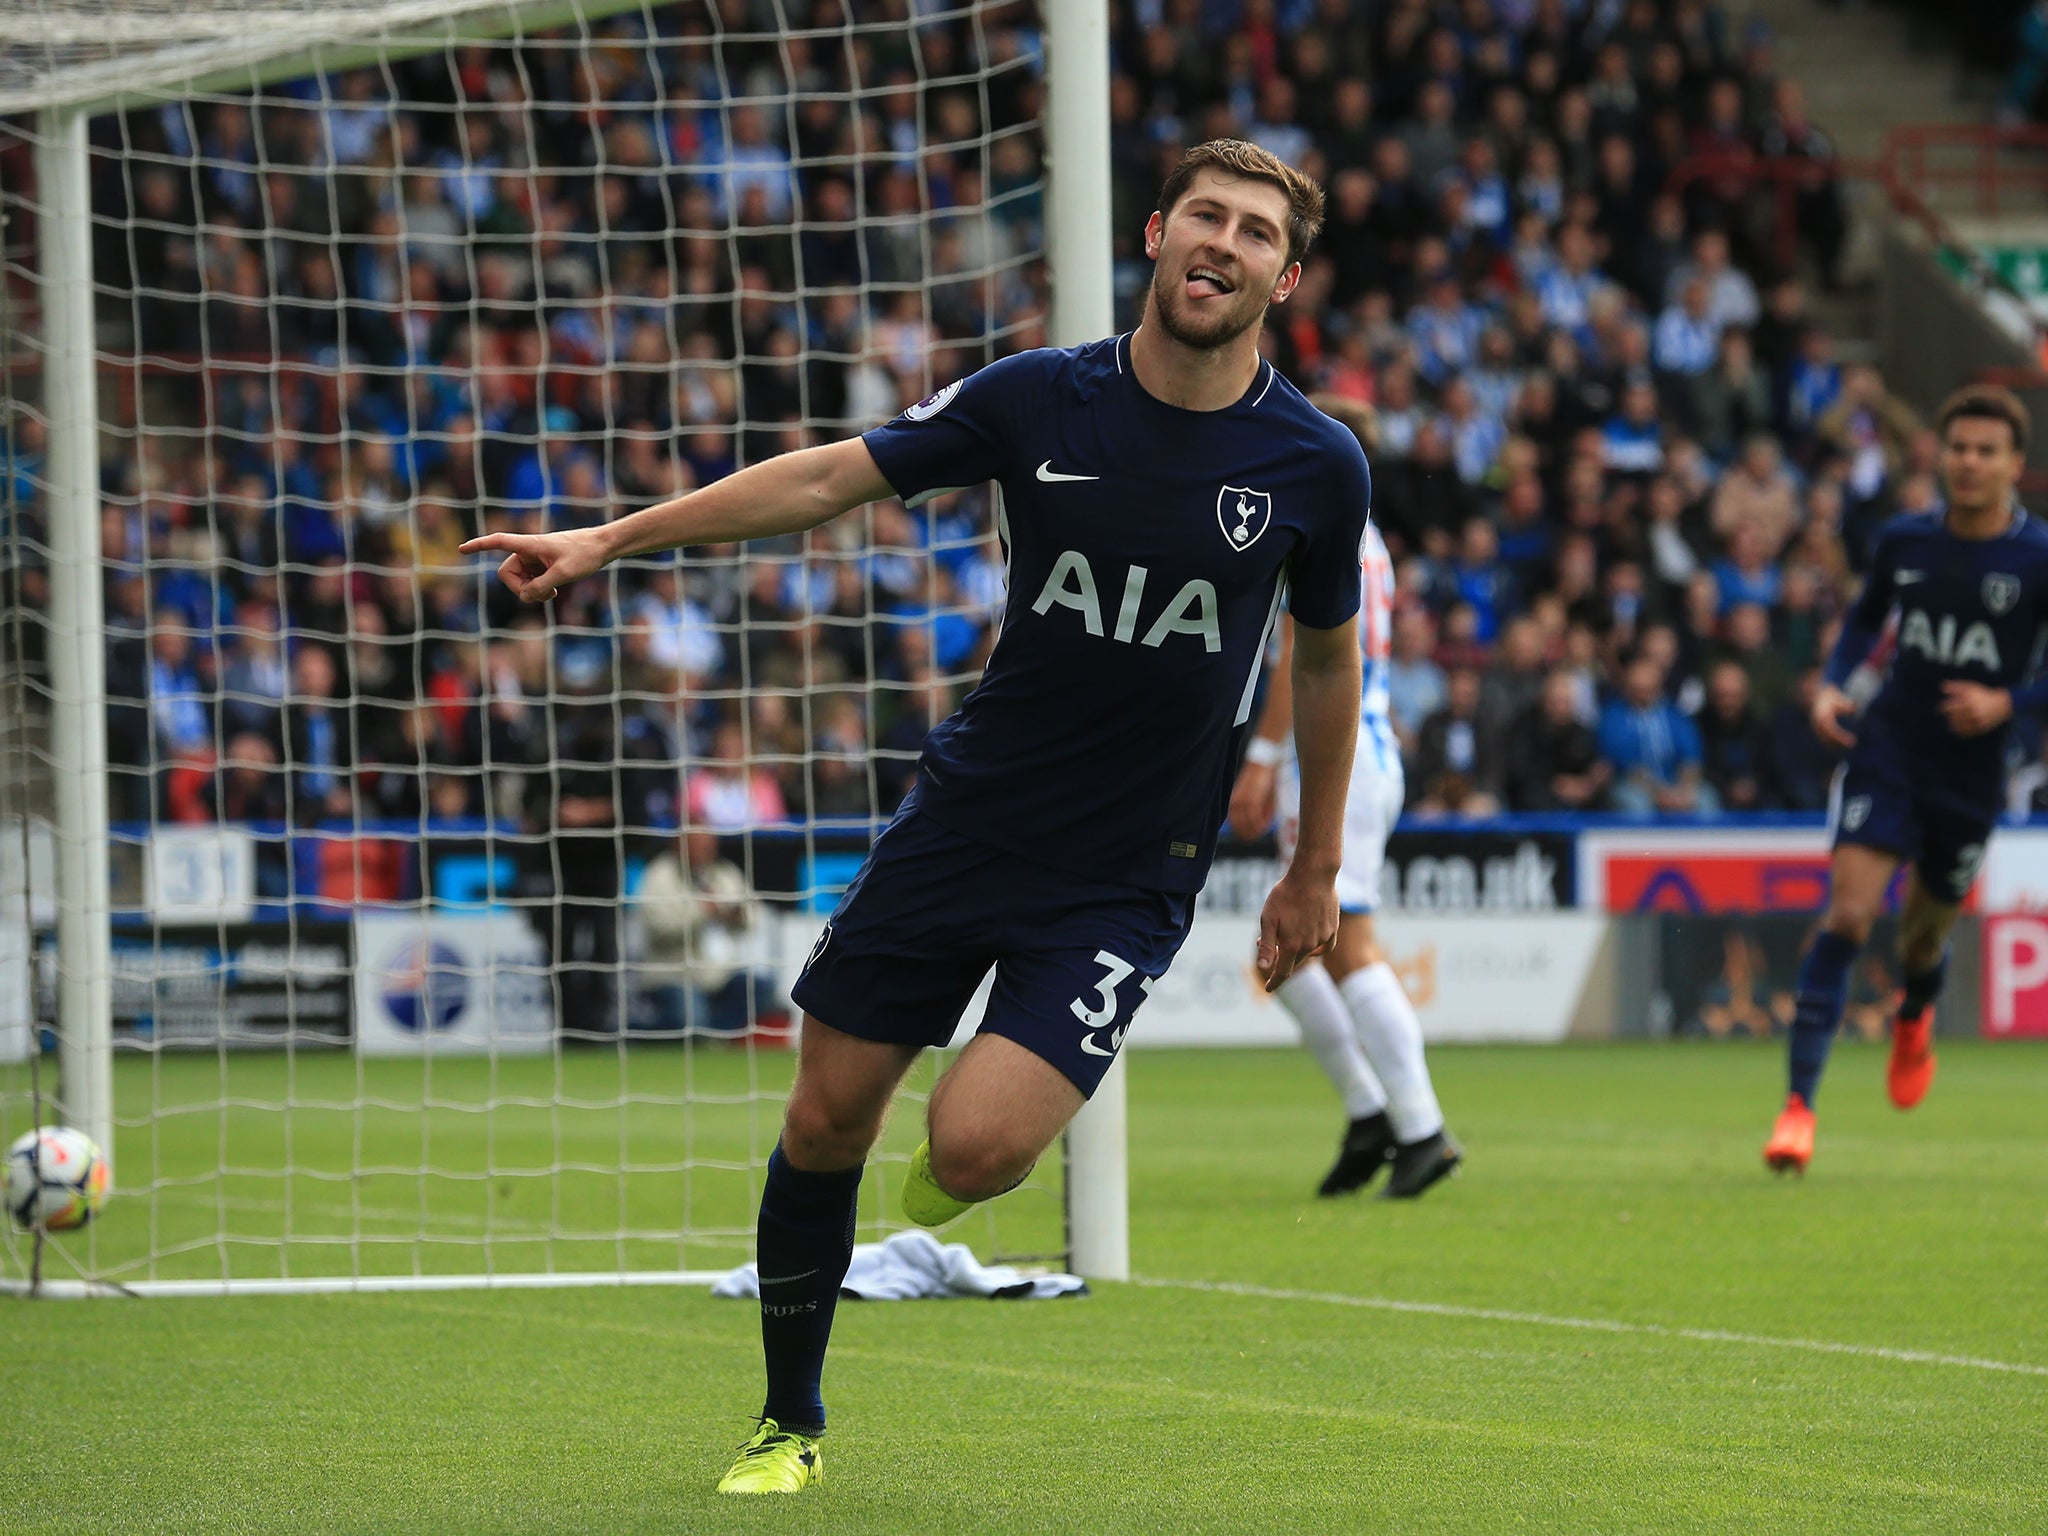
x=1208, y=332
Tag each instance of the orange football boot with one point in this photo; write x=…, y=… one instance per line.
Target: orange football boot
x=1791, y=1143
x=1911, y=1068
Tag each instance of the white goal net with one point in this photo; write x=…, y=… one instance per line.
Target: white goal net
x=446, y=938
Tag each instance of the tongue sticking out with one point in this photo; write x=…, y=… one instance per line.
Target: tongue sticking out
x=1205, y=286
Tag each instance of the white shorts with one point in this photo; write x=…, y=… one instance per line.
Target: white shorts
x=1371, y=807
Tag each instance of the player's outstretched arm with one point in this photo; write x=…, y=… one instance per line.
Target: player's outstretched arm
x=1300, y=918
x=784, y=495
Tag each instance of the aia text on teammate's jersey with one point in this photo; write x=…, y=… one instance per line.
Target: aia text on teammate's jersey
x=1970, y=610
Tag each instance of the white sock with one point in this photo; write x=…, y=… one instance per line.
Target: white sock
x=1392, y=1038
x=1312, y=997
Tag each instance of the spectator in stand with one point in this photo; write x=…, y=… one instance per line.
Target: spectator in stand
x=681, y=634
x=395, y=764
x=1746, y=641
x=582, y=829
x=1796, y=624
x=1800, y=765
x=1747, y=574
x=701, y=928
x=181, y=705
x=1688, y=338
x=1475, y=437
x=1552, y=759
x=1812, y=384
x=837, y=765
x=1873, y=430
x=1457, y=758
x=1445, y=330
x=1757, y=493
x=1822, y=544
x=1572, y=285
x=1582, y=665
x=1662, y=251
x=1515, y=681
x=1480, y=578
x=1673, y=556
x=249, y=785
x=1787, y=133
x=730, y=794
x=1632, y=442
x=1734, y=747
x=255, y=682
x=1527, y=539
x=1497, y=380
x=1731, y=402
x=322, y=744
x=1415, y=683
x=2020, y=99
x=1731, y=296
x=1654, y=749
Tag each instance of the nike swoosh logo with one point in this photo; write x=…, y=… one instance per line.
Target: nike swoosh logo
x=1907, y=578
x=788, y=1279
x=1116, y=1038
x=1048, y=474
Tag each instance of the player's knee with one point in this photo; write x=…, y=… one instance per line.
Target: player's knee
x=978, y=1170
x=1920, y=947
x=819, y=1131
x=1850, y=919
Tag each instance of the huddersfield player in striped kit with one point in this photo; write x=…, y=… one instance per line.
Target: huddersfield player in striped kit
x=1354, y=1016
x=1162, y=492
x=1925, y=779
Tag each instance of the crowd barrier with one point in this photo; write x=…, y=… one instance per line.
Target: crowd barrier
x=1527, y=929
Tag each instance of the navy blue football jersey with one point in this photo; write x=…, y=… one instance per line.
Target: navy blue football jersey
x=1970, y=610
x=1150, y=549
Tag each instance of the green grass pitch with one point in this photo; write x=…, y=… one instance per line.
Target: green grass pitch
x=1625, y=1325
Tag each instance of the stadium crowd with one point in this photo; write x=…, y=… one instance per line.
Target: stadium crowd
x=1627, y=482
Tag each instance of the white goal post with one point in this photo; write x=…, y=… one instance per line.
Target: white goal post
x=307, y=1180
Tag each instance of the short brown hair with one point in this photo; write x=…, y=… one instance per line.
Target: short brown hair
x=1234, y=157
x=1987, y=402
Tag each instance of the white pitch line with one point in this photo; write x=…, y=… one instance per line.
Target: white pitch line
x=1596, y=1325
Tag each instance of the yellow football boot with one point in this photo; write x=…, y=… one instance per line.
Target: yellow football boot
x=776, y=1460
x=922, y=1199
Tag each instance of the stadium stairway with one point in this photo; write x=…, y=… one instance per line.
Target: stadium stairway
x=1867, y=67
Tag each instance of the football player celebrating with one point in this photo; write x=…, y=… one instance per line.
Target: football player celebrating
x=1163, y=491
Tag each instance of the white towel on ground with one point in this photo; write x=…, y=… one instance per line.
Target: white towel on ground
x=914, y=1265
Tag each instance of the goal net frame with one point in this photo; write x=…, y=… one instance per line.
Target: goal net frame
x=91, y=65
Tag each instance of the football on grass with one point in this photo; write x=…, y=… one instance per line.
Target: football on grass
x=56, y=1179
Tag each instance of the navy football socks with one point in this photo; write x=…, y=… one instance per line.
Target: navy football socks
x=806, y=1242
x=1823, y=988
x=1923, y=988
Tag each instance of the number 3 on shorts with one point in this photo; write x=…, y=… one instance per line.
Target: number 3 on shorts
x=1115, y=973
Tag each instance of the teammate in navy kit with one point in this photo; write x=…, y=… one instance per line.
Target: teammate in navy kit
x=1163, y=493
x=1925, y=779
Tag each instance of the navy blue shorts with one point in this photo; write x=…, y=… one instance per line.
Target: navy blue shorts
x=931, y=911
x=1877, y=807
